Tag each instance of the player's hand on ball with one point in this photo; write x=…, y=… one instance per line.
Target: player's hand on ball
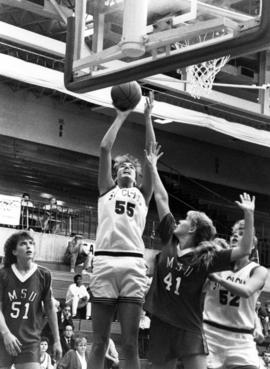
x=123, y=114
x=247, y=202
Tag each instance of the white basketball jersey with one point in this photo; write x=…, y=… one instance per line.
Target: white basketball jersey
x=121, y=220
x=226, y=309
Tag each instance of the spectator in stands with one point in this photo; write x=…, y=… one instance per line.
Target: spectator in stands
x=266, y=360
x=64, y=317
x=77, y=295
x=262, y=314
x=267, y=317
x=78, y=252
x=51, y=220
x=144, y=330
x=67, y=339
x=89, y=306
x=111, y=356
x=258, y=330
x=77, y=358
x=45, y=359
x=27, y=217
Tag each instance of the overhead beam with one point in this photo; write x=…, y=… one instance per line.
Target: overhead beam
x=48, y=10
x=31, y=39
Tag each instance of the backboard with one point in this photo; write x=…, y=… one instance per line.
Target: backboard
x=114, y=41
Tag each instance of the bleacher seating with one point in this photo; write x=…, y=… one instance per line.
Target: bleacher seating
x=61, y=279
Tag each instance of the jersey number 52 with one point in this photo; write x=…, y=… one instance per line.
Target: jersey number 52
x=226, y=298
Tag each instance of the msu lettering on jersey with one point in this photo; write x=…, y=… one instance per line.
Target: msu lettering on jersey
x=175, y=293
x=236, y=312
x=121, y=220
x=21, y=298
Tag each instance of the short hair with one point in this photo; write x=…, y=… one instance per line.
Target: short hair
x=64, y=305
x=69, y=325
x=44, y=339
x=205, y=230
x=77, y=237
x=11, y=245
x=78, y=339
x=76, y=277
x=241, y=224
x=127, y=158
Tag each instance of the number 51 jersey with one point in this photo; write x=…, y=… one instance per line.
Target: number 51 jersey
x=121, y=221
x=22, y=298
x=226, y=309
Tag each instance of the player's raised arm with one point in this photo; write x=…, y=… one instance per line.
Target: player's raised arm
x=247, y=204
x=147, y=185
x=105, y=180
x=161, y=196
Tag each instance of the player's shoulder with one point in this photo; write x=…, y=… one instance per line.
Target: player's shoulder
x=258, y=269
x=5, y=272
x=43, y=271
x=103, y=194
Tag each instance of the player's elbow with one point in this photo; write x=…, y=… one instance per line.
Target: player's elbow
x=246, y=293
x=104, y=147
x=161, y=198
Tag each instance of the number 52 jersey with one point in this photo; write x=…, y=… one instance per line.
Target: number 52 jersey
x=22, y=298
x=228, y=310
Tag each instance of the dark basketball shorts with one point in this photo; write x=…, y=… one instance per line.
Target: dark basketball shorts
x=168, y=342
x=29, y=354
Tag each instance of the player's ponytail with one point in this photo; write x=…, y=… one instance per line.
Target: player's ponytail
x=203, y=254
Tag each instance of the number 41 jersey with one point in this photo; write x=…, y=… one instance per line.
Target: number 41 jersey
x=22, y=297
x=227, y=310
x=121, y=221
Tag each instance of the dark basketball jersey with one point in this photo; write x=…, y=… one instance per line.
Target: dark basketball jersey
x=22, y=298
x=175, y=295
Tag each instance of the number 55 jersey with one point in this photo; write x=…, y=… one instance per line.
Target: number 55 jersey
x=224, y=310
x=22, y=298
x=121, y=221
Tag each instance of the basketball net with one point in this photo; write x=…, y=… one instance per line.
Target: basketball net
x=202, y=76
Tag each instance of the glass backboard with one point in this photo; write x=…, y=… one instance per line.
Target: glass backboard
x=114, y=41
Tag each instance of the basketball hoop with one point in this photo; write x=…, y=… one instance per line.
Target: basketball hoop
x=202, y=76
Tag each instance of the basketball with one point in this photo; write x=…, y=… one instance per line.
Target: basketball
x=126, y=96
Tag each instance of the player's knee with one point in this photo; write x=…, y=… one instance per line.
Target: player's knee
x=130, y=349
x=99, y=347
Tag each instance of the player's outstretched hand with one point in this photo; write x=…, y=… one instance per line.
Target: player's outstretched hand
x=149, y=104
x=12, y=344
x=57, y=350
x=123, y=114
x=247, y=203
x=153, y=154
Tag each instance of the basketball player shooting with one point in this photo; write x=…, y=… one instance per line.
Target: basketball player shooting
x=119, y=271
x=25, y=288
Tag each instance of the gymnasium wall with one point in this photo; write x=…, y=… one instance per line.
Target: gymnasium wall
x=38, y=118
